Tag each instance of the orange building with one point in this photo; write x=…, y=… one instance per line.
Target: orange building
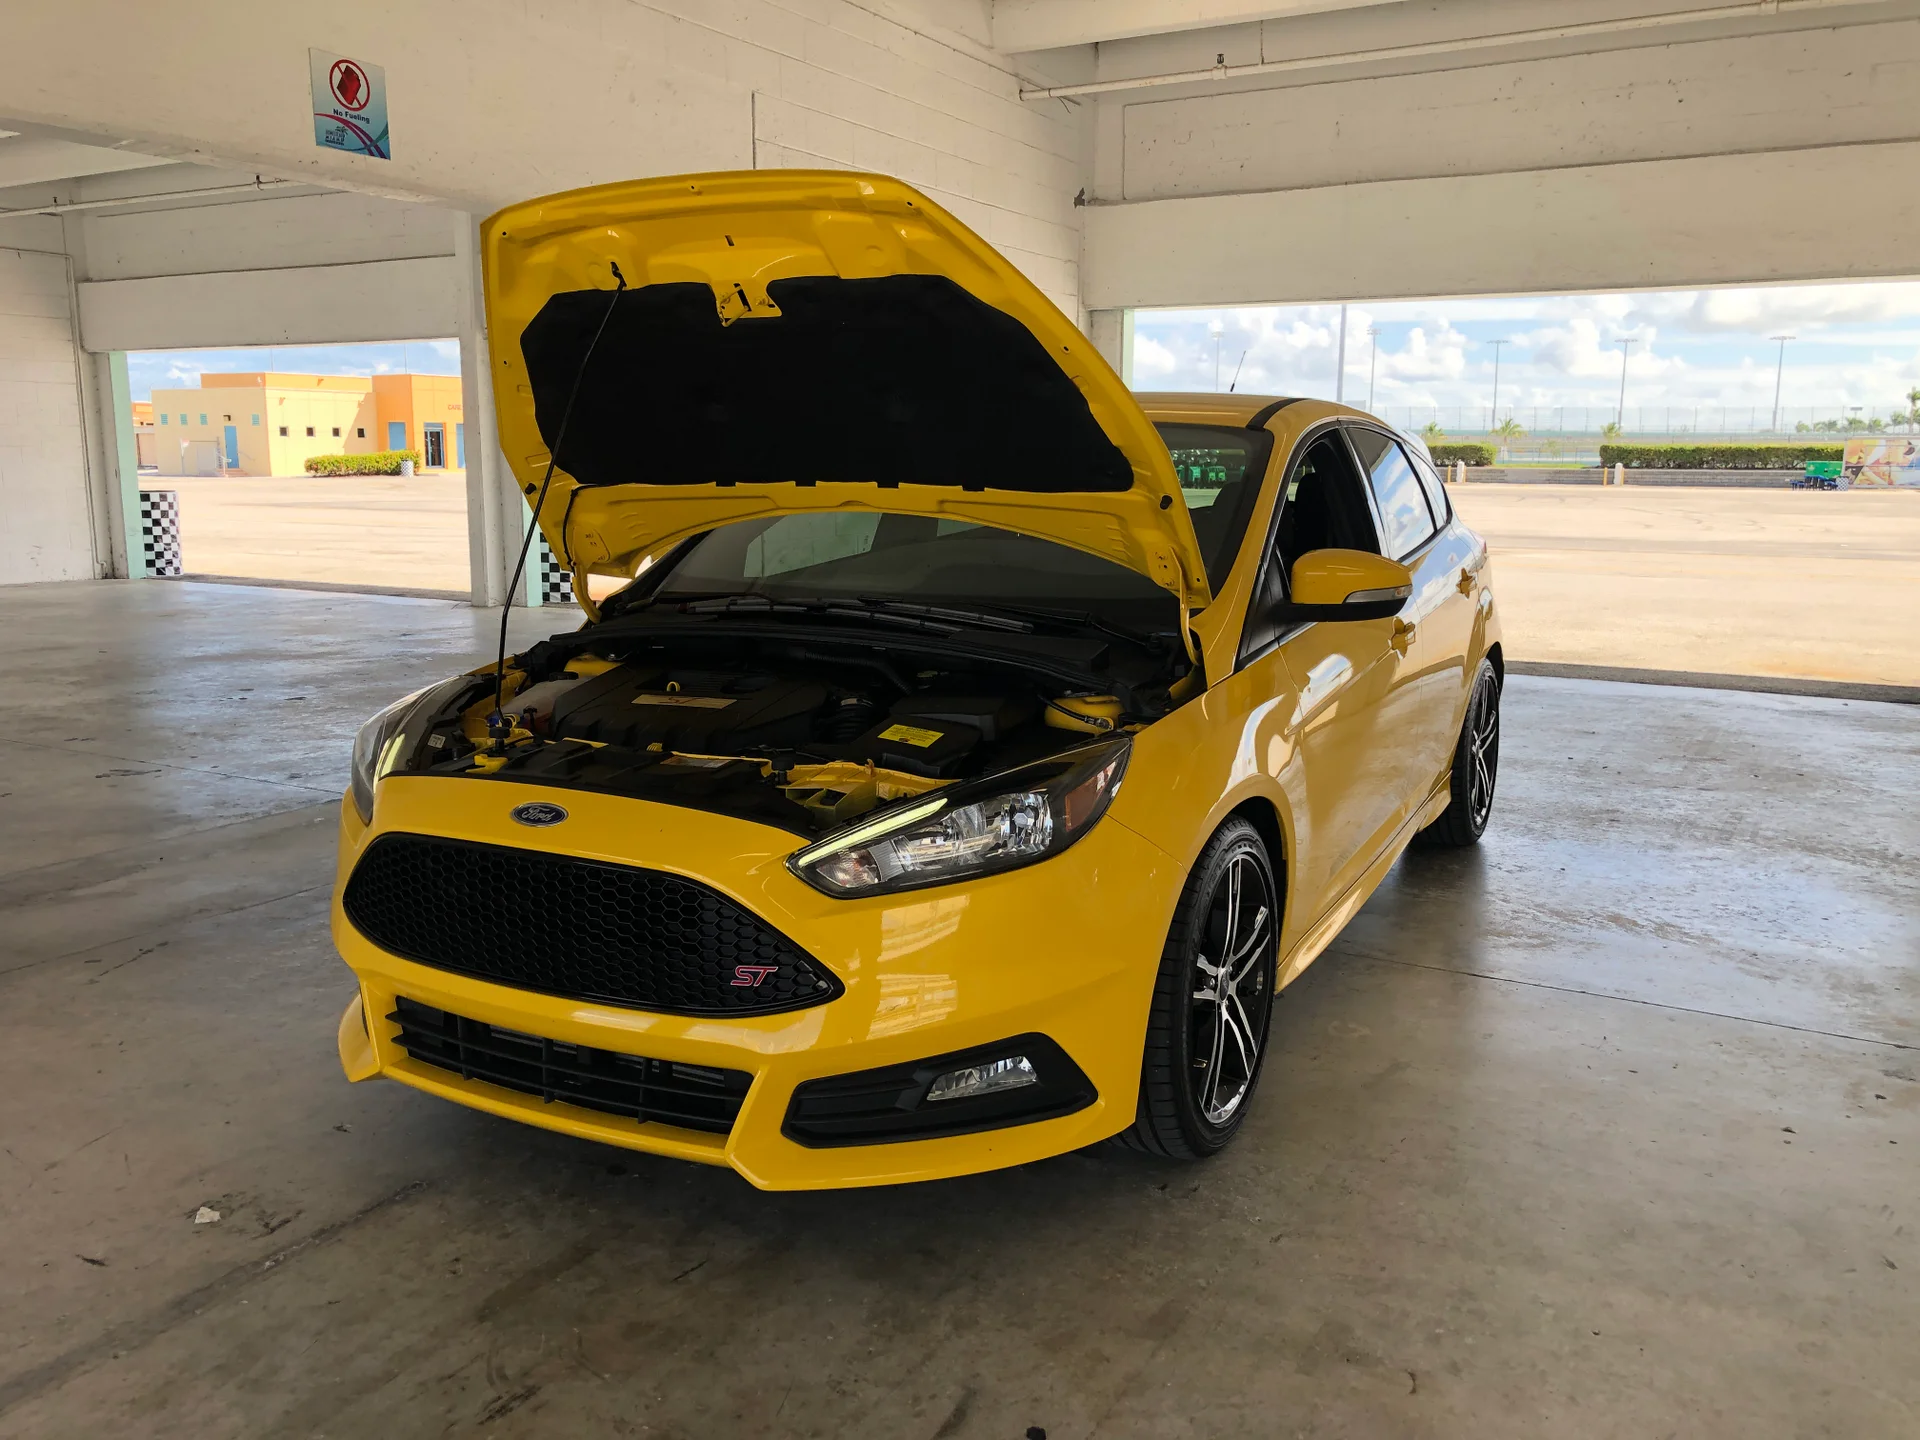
x=424, y=413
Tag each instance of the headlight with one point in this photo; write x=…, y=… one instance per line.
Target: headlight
x=387, y=740
x=1009, y=820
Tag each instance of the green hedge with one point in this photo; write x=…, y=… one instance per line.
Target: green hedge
x=1471, y=451
x=379, y=462
x=1717, y=457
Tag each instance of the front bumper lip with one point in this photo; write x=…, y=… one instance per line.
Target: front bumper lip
x=1066, y=949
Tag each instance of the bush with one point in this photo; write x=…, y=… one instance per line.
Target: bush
x=1471, y=451
x=1717, y=457
x=378, y=462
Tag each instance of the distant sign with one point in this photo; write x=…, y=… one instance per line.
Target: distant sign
x=349, y=105
x=1882, y=461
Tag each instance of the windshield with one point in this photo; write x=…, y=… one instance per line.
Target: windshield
x=929, y=560
x=1220, y=469
x=908, y=557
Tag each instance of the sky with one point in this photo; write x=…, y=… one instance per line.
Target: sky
x=1857, y=344
x=173, y=369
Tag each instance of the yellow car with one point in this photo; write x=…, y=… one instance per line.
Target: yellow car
x=968, y=749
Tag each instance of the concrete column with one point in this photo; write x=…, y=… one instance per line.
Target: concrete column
x=121, y=514
x=497, y=515
x=1112, y=334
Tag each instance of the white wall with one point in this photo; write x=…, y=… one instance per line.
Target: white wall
x=493, y=101
x=46, y=530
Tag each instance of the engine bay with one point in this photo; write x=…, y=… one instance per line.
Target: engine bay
x=802, y=734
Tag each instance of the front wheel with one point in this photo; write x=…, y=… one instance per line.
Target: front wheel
x=1212, y=1002
x=1476, y=766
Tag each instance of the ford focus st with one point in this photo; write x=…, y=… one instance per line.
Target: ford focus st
x=962, y=752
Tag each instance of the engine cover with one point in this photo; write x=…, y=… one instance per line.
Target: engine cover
x=690, y=711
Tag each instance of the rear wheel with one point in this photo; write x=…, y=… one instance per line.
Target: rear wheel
x=1476, y=766
x=1207, y=1033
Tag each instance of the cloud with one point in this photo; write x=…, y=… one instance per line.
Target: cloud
x=1702, y=350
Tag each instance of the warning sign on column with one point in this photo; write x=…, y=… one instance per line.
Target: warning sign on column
x=349, y=105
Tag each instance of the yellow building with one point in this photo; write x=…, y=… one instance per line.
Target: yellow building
x=270, y=423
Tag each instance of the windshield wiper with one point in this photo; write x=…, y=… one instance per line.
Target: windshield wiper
x=847, y=608
x=1089, y=619
x=947, y=612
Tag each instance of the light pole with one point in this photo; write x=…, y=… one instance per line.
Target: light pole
x=1620, y=415
x=1494, y=418
x=1373, y=357
x=1779, y=372
x=1216, y=329
x=1340, y=364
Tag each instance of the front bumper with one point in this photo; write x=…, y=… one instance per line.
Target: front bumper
x=1067, y=948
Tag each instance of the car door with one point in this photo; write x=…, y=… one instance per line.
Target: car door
x=1323, y=747
x=1419, y=714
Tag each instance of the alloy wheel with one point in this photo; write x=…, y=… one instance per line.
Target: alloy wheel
x=1227, y=1025
x=1483, y=752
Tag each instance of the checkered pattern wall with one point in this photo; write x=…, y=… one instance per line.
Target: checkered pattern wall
x=556, y=585
x=160, y=531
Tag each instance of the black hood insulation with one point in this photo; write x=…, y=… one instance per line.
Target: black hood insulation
x=899, y=379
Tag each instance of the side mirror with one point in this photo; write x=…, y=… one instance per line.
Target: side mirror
x=1346, y=585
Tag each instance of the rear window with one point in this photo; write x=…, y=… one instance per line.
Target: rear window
x=1220, y=469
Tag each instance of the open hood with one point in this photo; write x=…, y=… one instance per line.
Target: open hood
x=795, y=340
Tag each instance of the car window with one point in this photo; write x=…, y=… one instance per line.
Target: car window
x=1396, y=490
x=1324, y=507
x=1220, y=469
x=1437, y=500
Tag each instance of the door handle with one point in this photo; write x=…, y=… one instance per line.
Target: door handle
x=1402, y=639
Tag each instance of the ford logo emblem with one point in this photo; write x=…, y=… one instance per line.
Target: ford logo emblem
x=538, y=813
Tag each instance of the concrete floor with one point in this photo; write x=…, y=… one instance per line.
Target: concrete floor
x=1610, y=1128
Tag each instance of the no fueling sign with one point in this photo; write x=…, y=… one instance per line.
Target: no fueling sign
x=349, y=105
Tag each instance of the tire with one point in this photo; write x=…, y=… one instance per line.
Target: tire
x=1196, y=1078
x=1476, y=769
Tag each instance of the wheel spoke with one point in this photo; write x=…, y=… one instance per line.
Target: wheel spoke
x=1243, y=1036
x=1210, y=1092
x=1250, y=952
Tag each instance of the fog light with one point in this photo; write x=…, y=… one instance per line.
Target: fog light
x=989, y=1079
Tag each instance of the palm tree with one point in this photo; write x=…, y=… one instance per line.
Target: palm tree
x=1507, y=431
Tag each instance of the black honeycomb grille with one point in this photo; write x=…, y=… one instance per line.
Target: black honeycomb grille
x=694, y=1097
x=590, y=931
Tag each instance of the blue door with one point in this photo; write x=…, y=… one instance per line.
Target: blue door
x=233, y=447
x=460, y=446
x=396, y=435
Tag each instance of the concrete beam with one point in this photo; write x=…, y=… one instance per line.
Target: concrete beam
x=1732, y=219
x=1050, y=24
x=33, y=160
x=309, y=305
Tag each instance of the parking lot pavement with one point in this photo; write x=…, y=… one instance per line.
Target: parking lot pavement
x=1749, y=582
x=379, y=530
x=1807, y=583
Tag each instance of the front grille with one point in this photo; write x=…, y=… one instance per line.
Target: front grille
x=590, y=931
x=694, y=1097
